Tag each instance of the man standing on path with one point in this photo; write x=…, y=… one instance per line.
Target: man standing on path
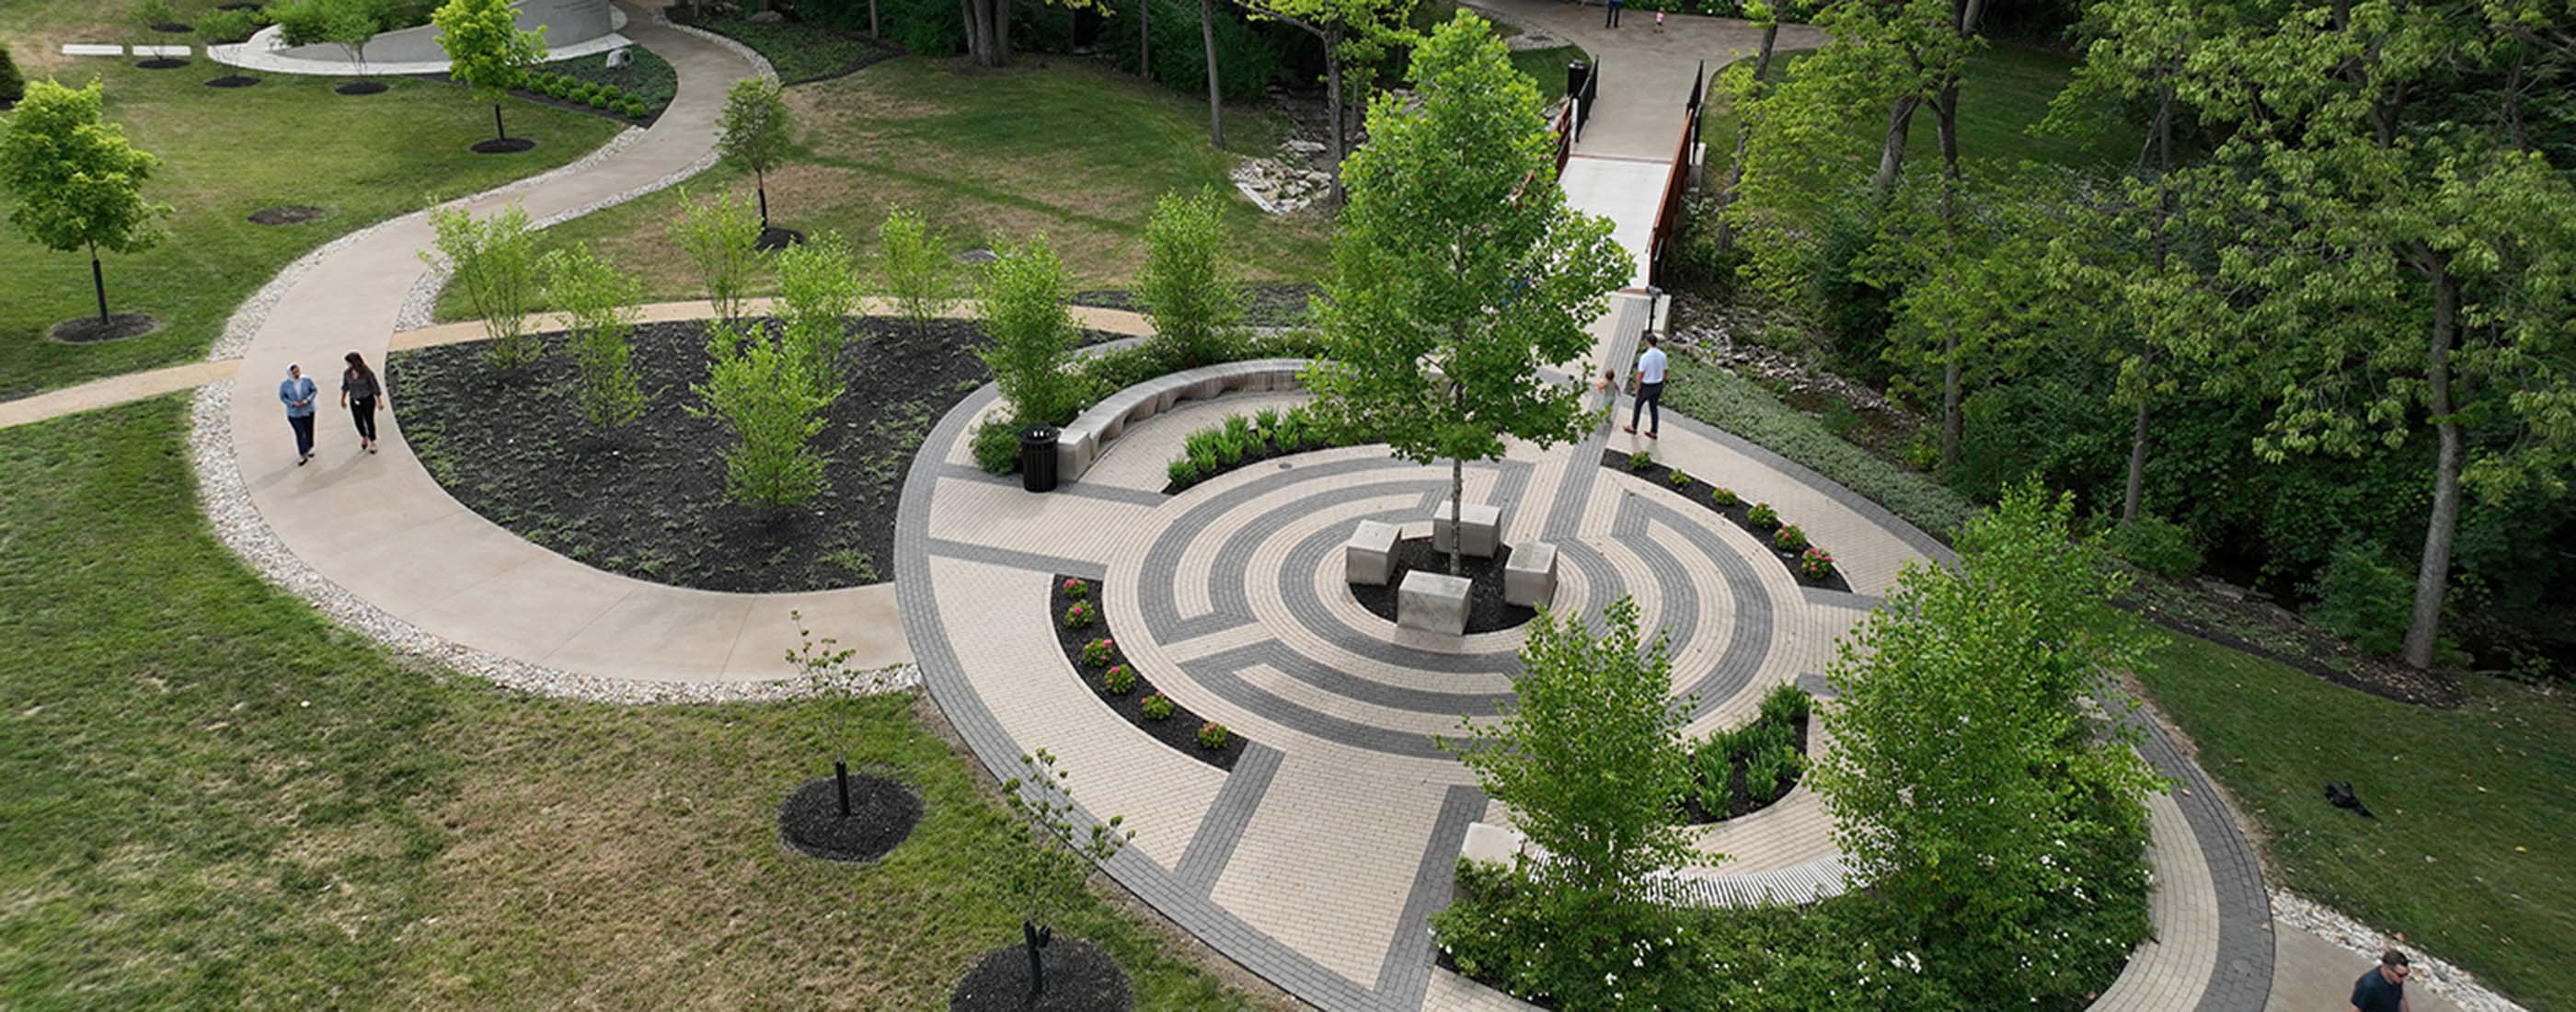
x=1650, y=388
x=1610, y=19
x=2383, y=989
x=297, y=394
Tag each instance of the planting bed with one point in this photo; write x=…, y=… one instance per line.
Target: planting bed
x=1741, y=800
x=1079, y=978
x=1180, y=730
x=882, y=814
x=649, y=500
x=1740, y=513
x=1486, y=611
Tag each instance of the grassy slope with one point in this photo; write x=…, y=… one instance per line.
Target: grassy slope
x=2473, y=851
x=2007, y=89
x=1547, y=67
x=216, y=799
x=226, y=153
x=1064, y=147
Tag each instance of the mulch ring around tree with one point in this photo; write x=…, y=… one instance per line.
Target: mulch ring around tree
x=162, y=63
x=287, y=214
x=1486, y=611
x=502, y=145
x=777, y=238
x=232, y=81
x=1079, y=978
x=882, y=814
x=173, y=27
x=1180, y=730
x=92, y=330
x=360, y=88
x=1739, y=513
x=648, y=500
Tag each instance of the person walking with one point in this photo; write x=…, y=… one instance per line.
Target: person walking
x=359, y=392
x=1650, y=390
x=1610, y=19
x=2383, y=988
x=1659, y=22
x=297, y=394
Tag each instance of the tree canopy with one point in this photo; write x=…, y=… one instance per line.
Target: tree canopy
x=78, y=181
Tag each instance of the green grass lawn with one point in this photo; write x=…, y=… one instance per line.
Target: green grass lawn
x=1547, y=67
x=2473, y=851
x=216, y=799
x=1064, y=147
x=2007, y=89
x=229, y=152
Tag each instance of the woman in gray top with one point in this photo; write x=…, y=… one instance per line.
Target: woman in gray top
x=359, y=392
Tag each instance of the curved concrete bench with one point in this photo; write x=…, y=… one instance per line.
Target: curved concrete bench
x=1081, y=442
x=1816, y=878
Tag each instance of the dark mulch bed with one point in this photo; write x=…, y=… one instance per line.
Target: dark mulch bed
x=1269, y=305
x=241, y=5
x=777, y=238
x=1079, y=978
x=2277, y=634
x=290, y=214
x=802, y=53
x=882, y=814
x=649, y=500
x=361, y=88
x=92, y=330
x=232, y=81
x=1740, y=515
x=1180, y=730
x=162, y=63
x=1486, y=611
x=503, y=145
x=173, y=27
x=1741, y=801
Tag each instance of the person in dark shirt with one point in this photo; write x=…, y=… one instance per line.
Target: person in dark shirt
x=2383, y=989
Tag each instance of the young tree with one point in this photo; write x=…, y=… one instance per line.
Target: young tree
x=1591, y=761
x=349, y=24
x=722, y=240
x=494, y=261
x=764, y=392
x=1352, y=32
x=1190, y=290
x=79, y=184
x=486, y=49
x=1965, y=777
x=1022, y=310
x=1064, y=843
x=913, y=264
x=1460, y=273
x=598, y=303
x=818, y=292
x=758, y=130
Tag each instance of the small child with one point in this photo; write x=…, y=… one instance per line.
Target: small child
x=1659, y=22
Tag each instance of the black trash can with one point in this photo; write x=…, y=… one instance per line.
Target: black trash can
x=1037, y=458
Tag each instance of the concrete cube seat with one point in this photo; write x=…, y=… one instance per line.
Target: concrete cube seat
x=1432, y=602
x=1369, y=556
x=1529, y=576
x=1484, y=529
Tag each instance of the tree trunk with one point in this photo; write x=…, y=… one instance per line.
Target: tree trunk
x=1036, y=938
x=1333, y=100
x=497, y=129
x=1744, y=137
x=1891, y=155
x=1457, y=511
x=98, y=283
x=2433, y=574
x=875, y=30
x=1144, y=39
x=988, y=27
x=760, y=185
x=2137, y=461
x=1207, y=38
x=1953, y=420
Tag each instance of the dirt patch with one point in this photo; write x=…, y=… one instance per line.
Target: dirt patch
x=503, y=146
x=288, y=214
x=92, y=330
x=1079, y=978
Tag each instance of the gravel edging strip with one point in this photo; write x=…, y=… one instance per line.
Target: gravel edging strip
x=2365, y=943
x=237, y=522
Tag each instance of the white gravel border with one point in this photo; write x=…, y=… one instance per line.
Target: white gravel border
x=2364, y=941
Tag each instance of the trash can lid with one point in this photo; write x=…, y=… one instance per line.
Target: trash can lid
x=1038, y=433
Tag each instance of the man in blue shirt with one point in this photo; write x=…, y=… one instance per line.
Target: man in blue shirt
x=2383, y=989
x=297, y=394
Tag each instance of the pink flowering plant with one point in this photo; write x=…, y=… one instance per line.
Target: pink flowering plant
x=1080, y=614
x=1076, y=588
x=1119, y=680
x=1099, y=651
x=1816, y=564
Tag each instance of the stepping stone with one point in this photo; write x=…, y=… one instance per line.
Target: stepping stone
x=161, y=50
x=1369, y=556
x=1432, y=602
x=1529, y=576
x=91, y=49
x=1484, y=524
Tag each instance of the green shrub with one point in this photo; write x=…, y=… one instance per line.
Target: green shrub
x=216, y=27
x=1639, y=461
x=1181, y=472
x=2155, y=545
x=1790, y=539
x=1076, y=588
x=1100, y=651
x=914, y=268
x=1785, y=703
x=1080, y=615
x=1762, y=516
x=599, y=101
x=1213, y=735
x=494, y=262
x=636, y=109
x=1724, y=496
x=1678, y=478
x=1735, y=404
x=763, y=391
x=1816, y=564
x=1022, y=310
x=1156, y=707
x=599, y=303
x=2364, y=598
x=1188, y=287
x=1772, y=771
x=997, y=445
x=718, y=235
x=1247, y=59
x=1119, y=680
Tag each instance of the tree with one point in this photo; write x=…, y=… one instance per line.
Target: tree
x=1967, y=787
x=763, y=390
x=1591, y=761
x=1459, y=273
x=494, y=262
x=1748, y=104
x=1352, y=32
x=598, y=303
x=1064, y=844
x=1207, y=39
x=1022, y=310
x=486, y=50
x=914, y=266
x=349, y=24
x=818, y=292
x=1191, y=292
x=722, y=240
x=79, y=183
x=758, y=130
x=988, y=27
